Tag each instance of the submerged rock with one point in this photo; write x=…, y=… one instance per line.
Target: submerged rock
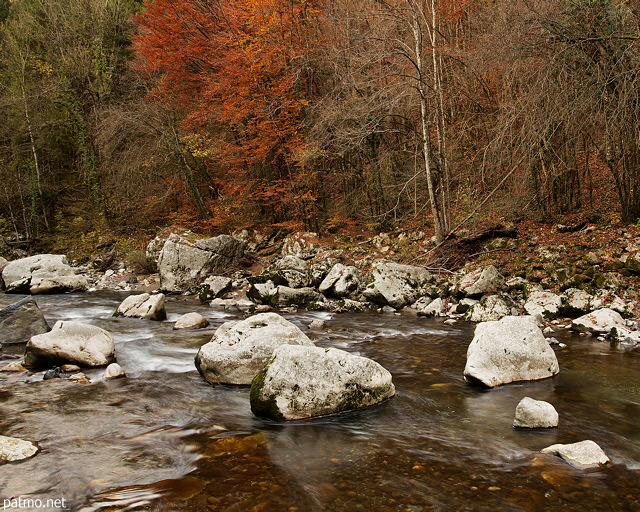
x=532, y=413
x=239, y=350
x=13, y=449
x=304, y=381
x=20, y=321
x=71, y=342
x=585, y=454
x=509, y=350
x=143, y=305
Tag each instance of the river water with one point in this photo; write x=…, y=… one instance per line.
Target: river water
x=164, y=439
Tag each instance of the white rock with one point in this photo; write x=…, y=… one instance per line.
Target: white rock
x=396, y=285
x=481, y=281
x=585, y=454
x=43, y=273
x=599, y=321
x=624, y=335
x=491, y=308
x=543, y=304
x=341, y=281
x=532, y=413
x=303, y=381
x=191, y=321
x=71, y=342
x=143, y=305
x=217, y=285
x=509, y=350
x=114, y=371
x=434, y=308
x=239, y=350
x=13, y=449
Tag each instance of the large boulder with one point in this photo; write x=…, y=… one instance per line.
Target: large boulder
x=42, y=273
x=13, y=449
x=576, y=302
x=303, y=382
x=396, y=285
x=509, y=350
x=600, y=321
x=20, y=321
x=341, y=281
x=239, y=350
x=215, y=286
x=302, y=297
x=532, y=413
x=71, y=342
x=183, y=264
x=143, y=305
x=585, y=454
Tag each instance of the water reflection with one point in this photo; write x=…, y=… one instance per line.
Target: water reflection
x=164, y=439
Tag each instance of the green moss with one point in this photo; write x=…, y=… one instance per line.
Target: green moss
x=263, y=407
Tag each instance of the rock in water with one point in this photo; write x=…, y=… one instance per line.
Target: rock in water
x=598, y=322
x=191, y=321
x=532, y=413
x=71, y=342
x=509, y=350
x=42, y=273
x=13, y=449
x=585, y=454
x=20, y=321
x=114, y=371
x=143, y=305
x=182, y=264
x=303, y=382
x=239, y=350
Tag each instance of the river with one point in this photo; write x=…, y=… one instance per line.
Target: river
x=164, y=439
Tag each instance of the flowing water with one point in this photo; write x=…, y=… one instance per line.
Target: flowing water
x=164, y=439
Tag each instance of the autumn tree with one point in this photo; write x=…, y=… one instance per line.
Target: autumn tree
x=236, y=73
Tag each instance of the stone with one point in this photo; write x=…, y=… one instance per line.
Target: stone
x=543, y=305
x=191, y=321
x=304, y=381
x=143, y=305
x=576, y=302
x=239, y=350
x=481, y=281
x=303, y=297
x=341, y=281
x=264, y=293
x=433, y=308
x=632, y=263
x=42, y=273
x=182, y=264
x=598, y=322
x=316, y=324
x=20, y=321
x=13, y=449
x=290, y=271
x=215, y=286
x=114, y=371
x=80, y=378
x=13, y=366
x=68, y=368
x=532, y=413
x=71, y=342
x=396, y=285
x=509, y=350
x=491, y=308
x=302, y=245
x=41, y=285
x=625, y=336
x=585, y=454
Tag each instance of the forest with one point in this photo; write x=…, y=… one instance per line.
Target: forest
x=120, y=116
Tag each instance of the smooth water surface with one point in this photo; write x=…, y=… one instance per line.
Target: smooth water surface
x=164, y=439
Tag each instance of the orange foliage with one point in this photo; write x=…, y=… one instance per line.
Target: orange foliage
x=235, y=70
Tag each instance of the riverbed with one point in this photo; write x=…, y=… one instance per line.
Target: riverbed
x=164, y=439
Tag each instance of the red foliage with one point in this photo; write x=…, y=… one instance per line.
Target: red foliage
x=235, y=70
